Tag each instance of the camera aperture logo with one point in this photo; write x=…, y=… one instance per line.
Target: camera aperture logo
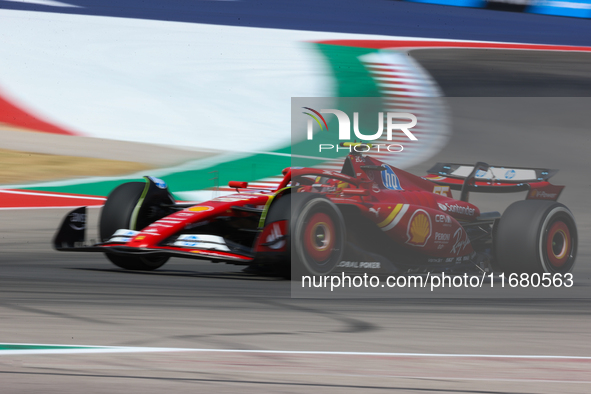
x=316, y=119
x=391, y=120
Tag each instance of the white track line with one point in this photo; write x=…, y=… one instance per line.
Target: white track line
x=42, y=194
x=118, y=349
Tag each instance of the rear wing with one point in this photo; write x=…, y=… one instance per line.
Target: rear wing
x=483, y=178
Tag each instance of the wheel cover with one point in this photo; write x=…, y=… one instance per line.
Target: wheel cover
x=319, y=237
x=154, y=261
x=558, y=244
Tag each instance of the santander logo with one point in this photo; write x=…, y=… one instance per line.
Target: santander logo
x=457, y=208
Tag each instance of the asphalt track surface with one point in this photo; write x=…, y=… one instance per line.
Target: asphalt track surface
x=59, y=298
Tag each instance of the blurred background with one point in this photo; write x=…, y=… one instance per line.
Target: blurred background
x=198, y=93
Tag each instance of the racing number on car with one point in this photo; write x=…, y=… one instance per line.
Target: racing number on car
x=441, y=190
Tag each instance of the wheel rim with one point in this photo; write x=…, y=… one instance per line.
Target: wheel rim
x=558, y=244
x=319, y=237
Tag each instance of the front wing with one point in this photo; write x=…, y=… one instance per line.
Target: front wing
x=72, y=235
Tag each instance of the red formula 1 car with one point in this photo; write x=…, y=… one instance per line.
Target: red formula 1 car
x=369, y=217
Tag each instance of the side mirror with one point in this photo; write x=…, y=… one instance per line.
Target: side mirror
x=238, y=185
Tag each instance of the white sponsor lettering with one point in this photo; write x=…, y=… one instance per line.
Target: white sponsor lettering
x=543, y=194
x=201, y=245
x=119, y=240
x=125, y=233
x=362, y=264
x=462, y=241
x=456, y=208
x=157, y=224
x=370, y=265
x=442, y=219
x=202, y=238
x=442, y=236
x=182, y=214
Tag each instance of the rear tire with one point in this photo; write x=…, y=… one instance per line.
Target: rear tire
x=115, y=215
x=536, y=237
x=318, y=235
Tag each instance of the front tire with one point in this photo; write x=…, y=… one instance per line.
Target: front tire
x=536, y=237
x=117, y=214
x=137, y=263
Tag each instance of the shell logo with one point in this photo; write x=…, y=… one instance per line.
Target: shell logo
x=200, y=209
x=419, y=228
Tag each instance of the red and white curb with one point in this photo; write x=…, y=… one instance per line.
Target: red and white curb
x=21, y=199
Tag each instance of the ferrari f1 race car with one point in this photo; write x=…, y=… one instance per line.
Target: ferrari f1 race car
x=369, y=217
